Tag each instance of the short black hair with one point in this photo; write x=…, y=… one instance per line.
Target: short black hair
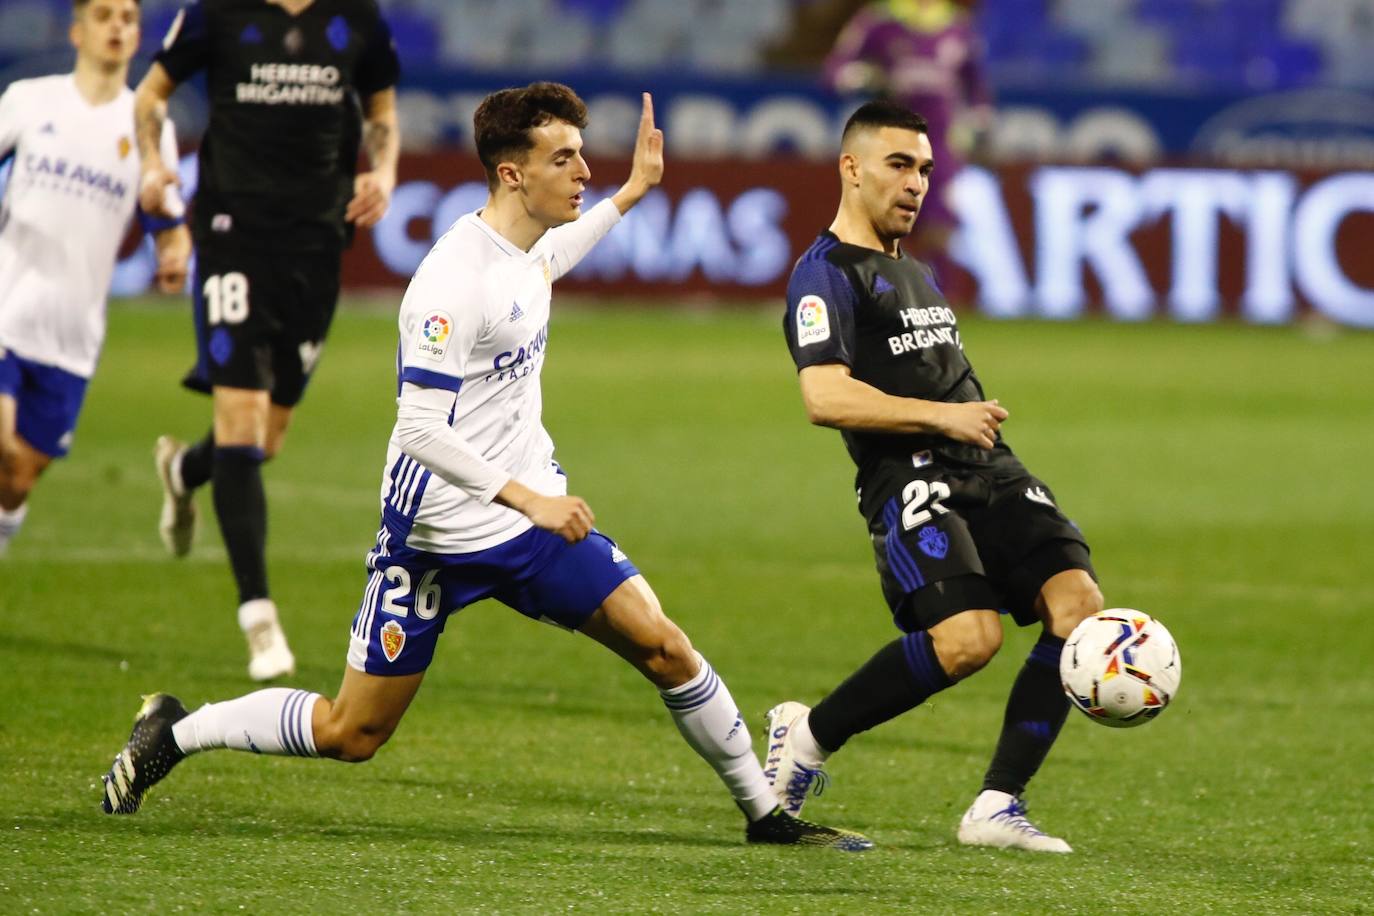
x=884, y=113
x=502, y=123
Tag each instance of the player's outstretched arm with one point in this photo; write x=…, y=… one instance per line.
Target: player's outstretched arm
x=150, y=115
x=836, y=399
x=646, y=171
x=382, y=140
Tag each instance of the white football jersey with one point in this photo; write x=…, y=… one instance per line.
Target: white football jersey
x=73, y=187
x=475, y=320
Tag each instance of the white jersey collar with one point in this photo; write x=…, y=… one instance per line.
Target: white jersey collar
x=505, y=244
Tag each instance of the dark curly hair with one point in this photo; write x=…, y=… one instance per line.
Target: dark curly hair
x=502, y=123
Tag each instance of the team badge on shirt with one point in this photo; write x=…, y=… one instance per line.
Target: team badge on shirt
x=124, y=147
x=393, y=640
x=813, y=321
x=434, y=335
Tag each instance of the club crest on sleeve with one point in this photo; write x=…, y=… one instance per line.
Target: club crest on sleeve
x=813, y=321
x=435, y=331
x=393, y=640
x=933, y=542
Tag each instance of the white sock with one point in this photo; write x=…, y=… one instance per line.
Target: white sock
x=10, y=521
x=272, y=721
x=804, y=744
x=708, y=718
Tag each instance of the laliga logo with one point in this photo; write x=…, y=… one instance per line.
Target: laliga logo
x=808, y=314
x=436, y=329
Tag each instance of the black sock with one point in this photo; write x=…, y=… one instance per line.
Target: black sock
x=198, y=462
x=901, y=676
x=1035, y=713
x=241, y=506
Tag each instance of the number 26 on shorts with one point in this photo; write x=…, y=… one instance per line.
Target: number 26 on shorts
x=427, y=596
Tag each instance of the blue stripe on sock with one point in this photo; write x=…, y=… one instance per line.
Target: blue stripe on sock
x=697, y=696
x=247, y=451
x=284, y=726
x=293, y=721
x=919, y=656
x=1046, y=652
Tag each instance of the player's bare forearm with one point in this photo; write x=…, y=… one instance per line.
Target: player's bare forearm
x=569, y=517
x=837, y=400
x=150, y=117
x=647, y=168
x=382, y=140
x=382, y=133
x=150, y=112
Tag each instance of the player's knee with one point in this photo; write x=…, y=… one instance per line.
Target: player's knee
x=1076, y=605
x=967, y=648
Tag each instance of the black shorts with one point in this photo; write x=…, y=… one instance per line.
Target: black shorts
x=948, y=540
x=261, y=318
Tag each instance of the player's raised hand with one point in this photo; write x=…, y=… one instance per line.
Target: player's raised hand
x=371, y=197
x=972, y=422
x=648, y=161
x=646, y=169
x=569, y=517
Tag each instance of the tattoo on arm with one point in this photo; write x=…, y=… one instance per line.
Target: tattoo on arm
x=376, y=139
x=149, y=128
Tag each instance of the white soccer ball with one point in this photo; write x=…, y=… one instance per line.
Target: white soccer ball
x=1120, y=667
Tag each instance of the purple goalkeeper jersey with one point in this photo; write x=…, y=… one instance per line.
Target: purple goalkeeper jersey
x=936, y=71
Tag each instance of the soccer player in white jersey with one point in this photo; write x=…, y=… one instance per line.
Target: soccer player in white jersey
x=473, y=504
x=71, y=193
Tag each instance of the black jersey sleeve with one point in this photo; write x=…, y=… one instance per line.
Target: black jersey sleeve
x=379, y=67
x=820, y=314
x=186, y=48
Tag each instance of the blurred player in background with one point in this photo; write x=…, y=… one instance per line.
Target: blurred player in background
x=960, y=528
x=65, y=212
x=926, y=56
x=276, y=205
x=474, y=505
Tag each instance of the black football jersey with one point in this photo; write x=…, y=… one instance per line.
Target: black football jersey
x=885, y=318
x=278, y=158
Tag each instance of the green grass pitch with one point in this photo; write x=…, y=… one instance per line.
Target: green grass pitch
x=1221, y=474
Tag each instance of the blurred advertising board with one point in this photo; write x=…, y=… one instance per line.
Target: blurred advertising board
x=1060, y=242
x=763, y=115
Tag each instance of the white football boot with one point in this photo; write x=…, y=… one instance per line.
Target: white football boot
x=177, y=526
x=998, y=819
x=790, y=777
x=269, y=655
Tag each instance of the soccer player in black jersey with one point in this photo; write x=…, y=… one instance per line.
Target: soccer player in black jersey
x=295, y=86
x=960, y=528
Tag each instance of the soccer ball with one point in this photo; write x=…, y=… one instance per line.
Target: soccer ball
x=1121, y=667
